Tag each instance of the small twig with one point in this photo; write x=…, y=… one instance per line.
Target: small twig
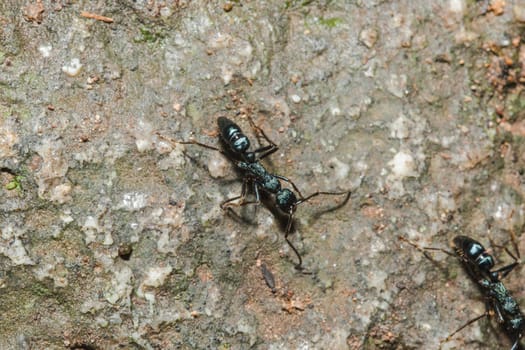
x=97, y=17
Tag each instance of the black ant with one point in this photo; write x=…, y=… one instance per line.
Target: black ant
x=255, y=174
x=479, y=263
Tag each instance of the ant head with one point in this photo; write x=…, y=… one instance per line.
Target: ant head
x=286, y=200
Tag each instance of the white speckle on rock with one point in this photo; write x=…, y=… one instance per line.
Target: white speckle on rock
x=295, y=98
x=144, y=136
x=456, y=6
x=91, y=228
x=218, y=166
x=16, y=252
x=60, y=193
x=45, y=50
x=165, y=244
x=156, y=276
x=397, y=84
x=341, y=169
x=121, y=287
x=108, y=239
x=166, y=12
x=403, y=165
x=133, y=201
x=142, y=145
x=335, y=111
x=400, y=128
x=226, y=74
x=54, y=166
x=72, y=68
x=66, y=217
x=163, y=147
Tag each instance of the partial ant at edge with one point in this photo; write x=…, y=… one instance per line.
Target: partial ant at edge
x=479, y=265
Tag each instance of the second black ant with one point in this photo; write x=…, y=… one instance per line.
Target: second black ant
x=499, y=303
x=236, y=149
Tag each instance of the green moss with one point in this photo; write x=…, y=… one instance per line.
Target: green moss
x=330, y=22
x=516, y=106
x=149, y=35
x=295, y=3
x=15, y=184
x=41, y=290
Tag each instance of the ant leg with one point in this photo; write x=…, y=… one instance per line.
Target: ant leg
x=287, y=232
x=299, y=265
x=227, y=203
x=271, y=148
x=266, y=151
x=304, y=199
x=423, y=249
x=513, y=238
x=486, y=314
x=288, y=229
x=190, y=142
x=505, y=270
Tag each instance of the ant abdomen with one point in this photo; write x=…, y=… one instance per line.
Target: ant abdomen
x=231, y=134
x=474, y=252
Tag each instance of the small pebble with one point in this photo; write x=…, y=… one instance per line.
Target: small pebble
x=227, y=7
x=368, y=37
x=73, y=68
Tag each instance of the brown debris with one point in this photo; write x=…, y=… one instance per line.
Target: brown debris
x=268, y=278
x=33, y=12
x=227, y=7
x=96, y=17
x=497, y=7
x=517, y=128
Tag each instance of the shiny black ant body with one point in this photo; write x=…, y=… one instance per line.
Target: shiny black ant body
x=255, y=174
x=231, y=135
x=479, y=263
